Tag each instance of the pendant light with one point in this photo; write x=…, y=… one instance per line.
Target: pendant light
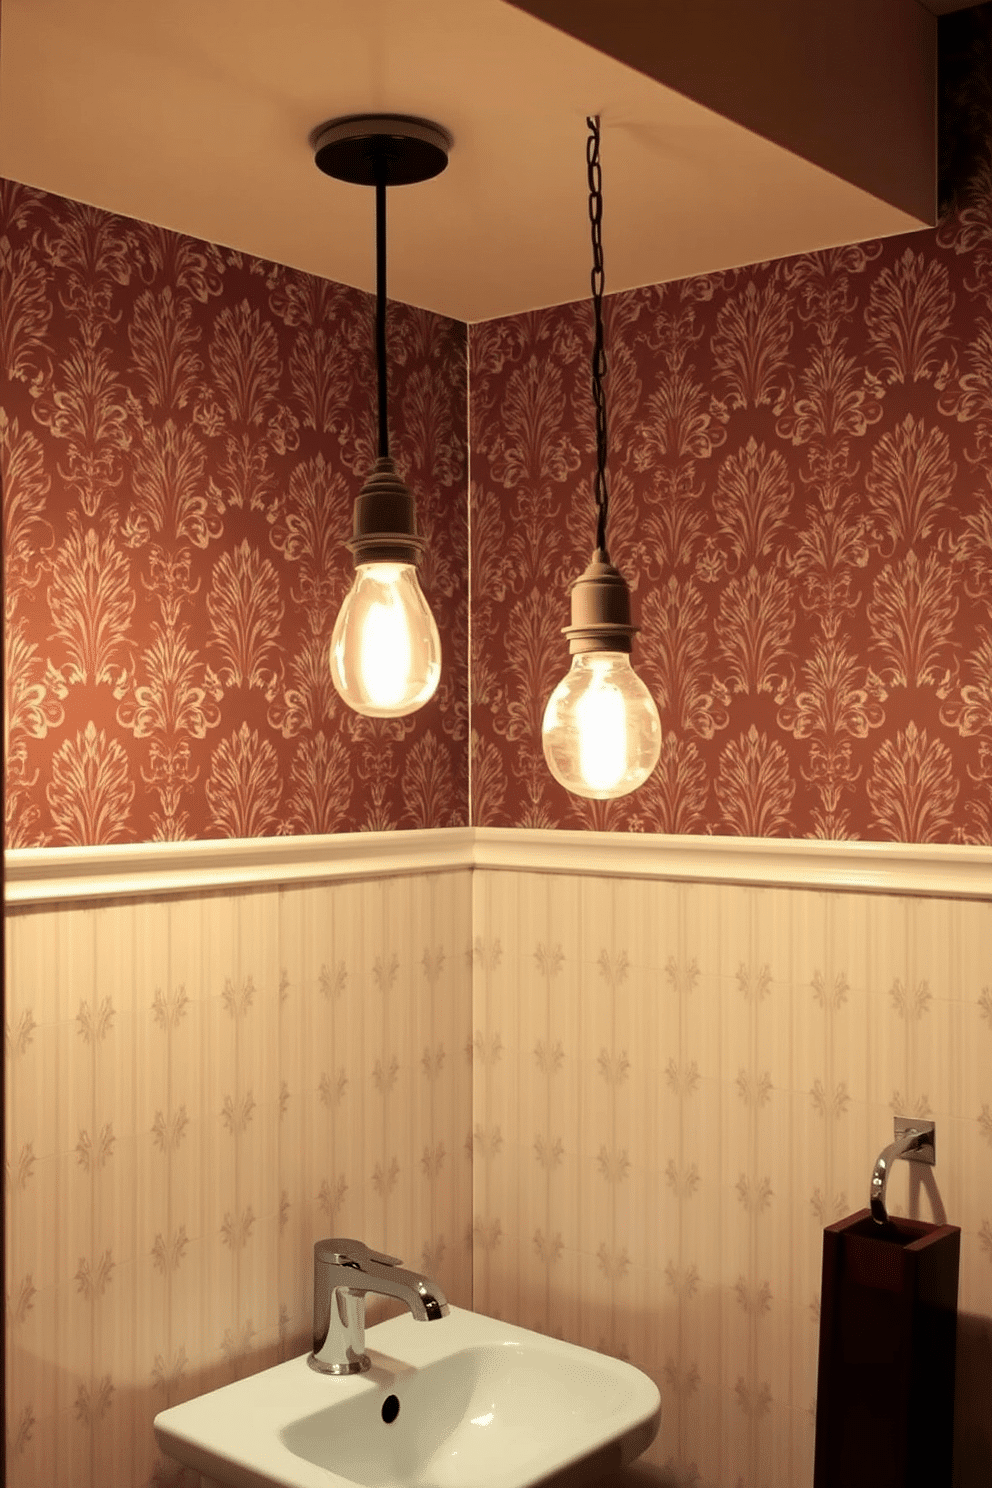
x=601, y=731
x=385, y=655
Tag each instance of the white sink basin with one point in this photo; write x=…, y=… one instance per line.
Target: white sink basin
x=464, y=1402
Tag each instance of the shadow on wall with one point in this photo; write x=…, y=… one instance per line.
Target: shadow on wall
x=963, y=101
x=972, y=1419
x=641, y=1475
x=122, y=1457
x=135, y=1407
x=973, y=1403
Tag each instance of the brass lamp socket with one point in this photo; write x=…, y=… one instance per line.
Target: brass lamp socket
x=385, y=519
x=600, y=609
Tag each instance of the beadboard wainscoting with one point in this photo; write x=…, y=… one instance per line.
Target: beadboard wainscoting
x=677, y=1085
x=201, y=1084
x=611, y=1088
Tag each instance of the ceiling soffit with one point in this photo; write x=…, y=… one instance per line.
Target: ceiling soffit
x=196, y=116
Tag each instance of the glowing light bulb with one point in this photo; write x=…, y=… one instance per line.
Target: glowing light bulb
x=385, y=651
x=601, y=731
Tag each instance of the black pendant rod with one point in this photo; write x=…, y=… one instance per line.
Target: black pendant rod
x=381, y=165
x=381, y=150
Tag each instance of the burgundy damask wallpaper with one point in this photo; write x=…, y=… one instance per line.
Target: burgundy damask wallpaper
x=802, y=499
x=183, y=430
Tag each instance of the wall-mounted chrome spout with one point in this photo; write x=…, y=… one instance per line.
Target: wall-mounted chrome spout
x=914, y=1140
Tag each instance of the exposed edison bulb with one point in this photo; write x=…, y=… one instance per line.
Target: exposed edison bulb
x=385, y=650
x=601, y=731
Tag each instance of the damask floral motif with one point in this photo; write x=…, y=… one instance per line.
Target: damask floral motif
x=797, y=497
x=244, y=787
x=182, y=433
x=91, y=604
x=912, y=788
x=910, y=480
x=90, y=794
x=427, y=785
x=245, y=616
x=908, y=316
x=754, y=788
x=801, y=508
x=751, y=342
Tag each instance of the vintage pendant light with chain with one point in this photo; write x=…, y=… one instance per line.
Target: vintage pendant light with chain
x=385, y=655
x=601, y=732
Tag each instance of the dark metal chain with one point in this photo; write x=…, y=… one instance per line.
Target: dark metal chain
x=595, y=175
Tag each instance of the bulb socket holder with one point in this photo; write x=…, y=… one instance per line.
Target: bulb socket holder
x=600, y=609
x=385, y=519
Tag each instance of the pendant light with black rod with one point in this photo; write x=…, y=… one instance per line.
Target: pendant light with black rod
x=385, y=655
x=601, y=731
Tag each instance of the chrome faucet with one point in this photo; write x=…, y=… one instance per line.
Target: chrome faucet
x=343, y=1272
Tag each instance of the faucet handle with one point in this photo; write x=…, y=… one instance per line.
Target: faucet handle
x=382, y=1260
x=354, y=1252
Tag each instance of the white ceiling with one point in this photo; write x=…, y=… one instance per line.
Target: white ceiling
x=195, y=114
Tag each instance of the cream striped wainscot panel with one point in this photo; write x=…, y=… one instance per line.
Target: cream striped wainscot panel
x=611, y=1087
x=200, y=1084
x=677, y=1085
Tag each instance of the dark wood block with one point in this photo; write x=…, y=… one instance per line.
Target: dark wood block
x=885, y=1386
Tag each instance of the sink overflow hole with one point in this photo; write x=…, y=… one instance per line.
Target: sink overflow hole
x=390, y=1409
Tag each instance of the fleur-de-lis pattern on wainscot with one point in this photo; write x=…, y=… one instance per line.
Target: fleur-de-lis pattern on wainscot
x=613, y=1160
x=669, y=1090
x=183, y=430
x=692, y=1081
x=484, y=1145
x=549, y=1150
x=190, y=1106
